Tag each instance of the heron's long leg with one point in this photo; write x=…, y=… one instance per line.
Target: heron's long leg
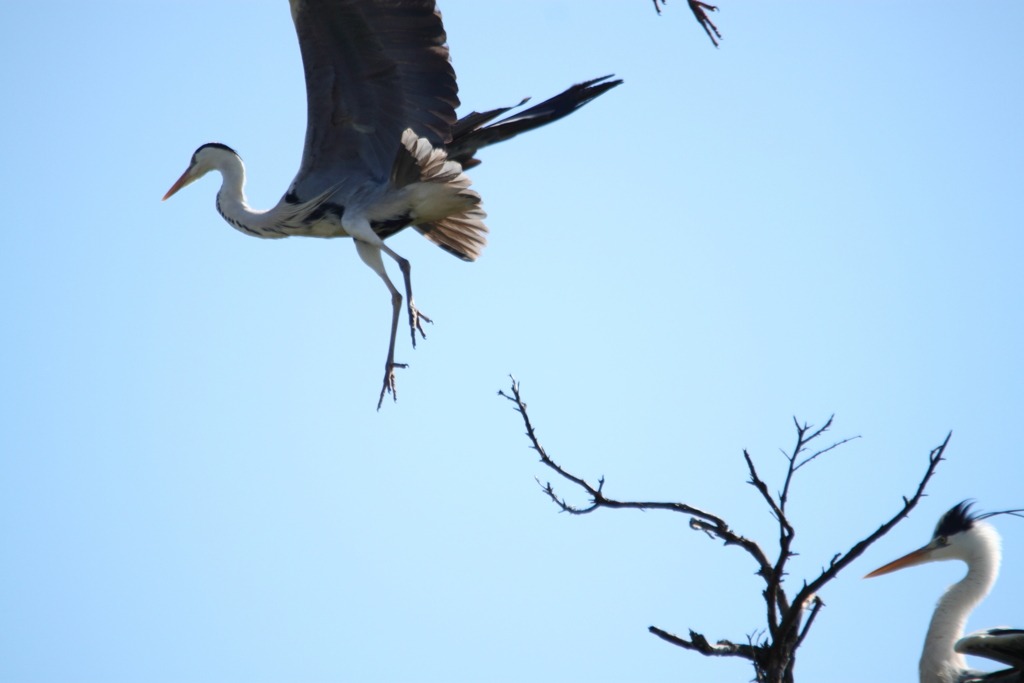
x=360, y=230
x=414, y=314
x=371, y=257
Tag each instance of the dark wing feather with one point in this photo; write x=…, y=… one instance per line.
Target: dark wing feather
x=469, y=134
x=373, y=68
x=1003, y=645
x=475, y=119
x=1002, y=676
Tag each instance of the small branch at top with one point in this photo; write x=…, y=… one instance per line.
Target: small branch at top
x=702, y=18
x=700, y=10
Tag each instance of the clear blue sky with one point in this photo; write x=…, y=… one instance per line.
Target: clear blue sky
x=822, y=216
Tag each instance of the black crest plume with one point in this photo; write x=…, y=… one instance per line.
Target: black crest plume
x=960, y=518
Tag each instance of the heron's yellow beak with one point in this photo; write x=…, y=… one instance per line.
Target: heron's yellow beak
x=909, y=560
x=184, y=180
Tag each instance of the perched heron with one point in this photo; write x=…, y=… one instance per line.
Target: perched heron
x=384, y=149
x=962, y=535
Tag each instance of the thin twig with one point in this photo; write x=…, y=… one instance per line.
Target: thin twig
x=699, y=643
x=825, y=450
x=801, y=445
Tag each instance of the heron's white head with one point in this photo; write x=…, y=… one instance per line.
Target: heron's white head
x=213, y=156
x=959, y=535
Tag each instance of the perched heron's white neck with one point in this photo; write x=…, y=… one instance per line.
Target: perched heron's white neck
x=981, y=552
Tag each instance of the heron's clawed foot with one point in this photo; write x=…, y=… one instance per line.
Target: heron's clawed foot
x=416, y=320
x=389, y=382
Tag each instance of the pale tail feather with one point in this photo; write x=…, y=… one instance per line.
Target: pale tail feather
x=460, y=233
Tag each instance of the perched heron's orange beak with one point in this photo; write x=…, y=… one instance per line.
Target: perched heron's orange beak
x=182, y=182
x=909, y=560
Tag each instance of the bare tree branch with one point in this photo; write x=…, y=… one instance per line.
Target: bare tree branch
x=836, y=566
x=775, y=597
x=597, y=496
x=702, y=521
x=788, y=621
x=700, y=644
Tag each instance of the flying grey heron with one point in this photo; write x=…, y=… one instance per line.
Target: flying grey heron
x=384, y=149
x=962, y=535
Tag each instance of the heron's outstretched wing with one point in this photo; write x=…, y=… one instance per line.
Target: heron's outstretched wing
x=373, y=68
x=1004, y=645
x=469, y=134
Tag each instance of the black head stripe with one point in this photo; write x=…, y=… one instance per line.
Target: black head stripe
x=957, y=520
x=216, y=145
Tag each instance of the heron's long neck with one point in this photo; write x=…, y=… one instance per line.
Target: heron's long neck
x=939, y=663
x=231, y=203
